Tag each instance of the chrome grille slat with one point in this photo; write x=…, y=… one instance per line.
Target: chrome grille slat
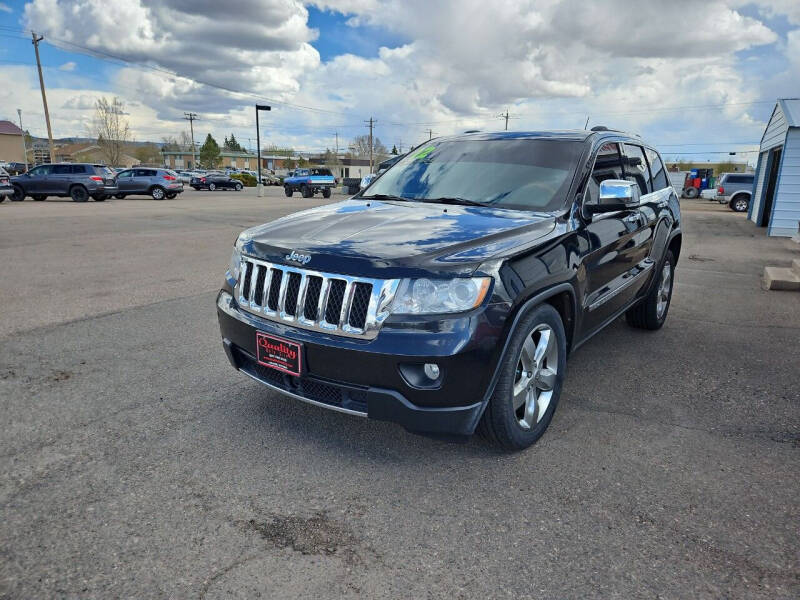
x=271, y=281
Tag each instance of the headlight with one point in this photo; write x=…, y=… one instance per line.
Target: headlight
x=432, y=296
x=236, y=261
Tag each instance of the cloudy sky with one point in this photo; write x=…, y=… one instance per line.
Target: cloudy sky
x=692, y=76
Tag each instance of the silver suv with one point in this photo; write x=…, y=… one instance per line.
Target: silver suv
x=735, y=189
x=144, y=181
x=76, y=180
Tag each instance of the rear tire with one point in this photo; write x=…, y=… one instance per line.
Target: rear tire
x=238, y=187
x=532, y=372
x=100, y=198
x=326, y=193
x=740, y=203
x=288, y=191
x=119, y=196
x=212, y=187
x=171, y=196
x=691, y=192
x=158, y=193
x=78, y=193
x=18, y=195
x=40, y=197
x=651, y=313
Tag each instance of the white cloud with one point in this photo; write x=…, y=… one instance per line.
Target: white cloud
x=550, y=62
x=6, y=8
x=67, y=66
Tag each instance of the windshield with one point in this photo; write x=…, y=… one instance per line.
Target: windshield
x=509, y=173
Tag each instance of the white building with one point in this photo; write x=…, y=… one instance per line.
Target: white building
x=776, y=195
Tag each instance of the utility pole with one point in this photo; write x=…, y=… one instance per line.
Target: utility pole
x=192, y=117
x=36, y=40
x=24, y=143
x=430, y=133
x=337, y=144
x=372, y=123
x=506, y=116
x=259, y=185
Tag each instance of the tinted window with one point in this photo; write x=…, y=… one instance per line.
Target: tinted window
x=80, y=169
x=738, y=179
x=657, y=170
x=62, y=169
x=42, y=170
x=144, y=173
x=506, y=173
x=636, y=168
x=321, y=172
x=103, y=171
x=607, y=165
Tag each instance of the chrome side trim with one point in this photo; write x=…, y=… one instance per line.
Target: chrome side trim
x=643, y=267
x=347, y=411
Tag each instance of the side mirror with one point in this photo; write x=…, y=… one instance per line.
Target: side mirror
x=615, y=195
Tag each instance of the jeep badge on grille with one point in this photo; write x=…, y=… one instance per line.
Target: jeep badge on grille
x=297, y=257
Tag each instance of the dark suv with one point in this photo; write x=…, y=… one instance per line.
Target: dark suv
x=447, y=295
x=76, y=180
x=158, y=183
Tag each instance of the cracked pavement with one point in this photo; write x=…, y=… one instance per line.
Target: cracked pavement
x=136, y=463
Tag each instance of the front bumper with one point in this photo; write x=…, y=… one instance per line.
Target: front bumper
x=370, y=377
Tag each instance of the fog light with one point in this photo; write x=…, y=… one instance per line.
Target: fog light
x=431, y=370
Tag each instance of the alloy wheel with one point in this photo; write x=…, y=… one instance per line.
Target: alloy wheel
x=536, y=375
x=664, y=289
x=740, y=205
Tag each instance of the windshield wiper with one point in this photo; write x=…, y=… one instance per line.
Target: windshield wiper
x=385, y=197
x=452, y=200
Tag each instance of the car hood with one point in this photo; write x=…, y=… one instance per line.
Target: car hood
x=366, y=237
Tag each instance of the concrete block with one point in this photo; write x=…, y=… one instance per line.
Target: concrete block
x=780, y=278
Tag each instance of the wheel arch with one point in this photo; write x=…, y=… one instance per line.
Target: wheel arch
x=675, y=245
x=563, y=298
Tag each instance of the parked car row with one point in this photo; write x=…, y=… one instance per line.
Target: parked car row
x=81, y=181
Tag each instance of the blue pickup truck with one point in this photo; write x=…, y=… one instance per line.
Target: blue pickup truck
x=310, y=181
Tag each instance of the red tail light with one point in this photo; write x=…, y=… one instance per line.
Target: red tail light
x=203, y=179
x=96, y=178
x=720, y=190
x=169, y=177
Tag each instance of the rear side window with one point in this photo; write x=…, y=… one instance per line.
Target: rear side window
x=62, y=169
x=636, y=168
x=657, y=171
x=101, y=171
x=607, y=165
x=144, y=173
x=739, y=179
x=321, y=172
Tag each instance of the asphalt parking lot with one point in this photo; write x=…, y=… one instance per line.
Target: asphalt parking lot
x=136, y=463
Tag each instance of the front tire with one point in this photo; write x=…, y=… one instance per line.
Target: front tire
x=531, y=377
x=651, y=313
x=100, y=198
x=306, y=192
x=171, y=196
x=40, y=197
x=288, y=191
x=326, y=193
x=212, y=187
x=740, y=203
x=119, y=196
x=238, y=187
x=18, y=195
x=691, y=192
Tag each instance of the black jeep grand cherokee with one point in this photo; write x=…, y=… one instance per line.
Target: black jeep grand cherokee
x=447, y=295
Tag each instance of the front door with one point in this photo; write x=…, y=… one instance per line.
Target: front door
x=125, y=182
x=615, y=247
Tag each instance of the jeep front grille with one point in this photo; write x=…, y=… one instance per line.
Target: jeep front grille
x=337, y=304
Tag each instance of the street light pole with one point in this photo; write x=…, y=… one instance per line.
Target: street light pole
x=259, y=185
x=24, y=143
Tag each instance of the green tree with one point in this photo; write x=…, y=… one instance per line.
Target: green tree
x=148, y=154
x=232, y=145
x=394, y=150
x=210, y=153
